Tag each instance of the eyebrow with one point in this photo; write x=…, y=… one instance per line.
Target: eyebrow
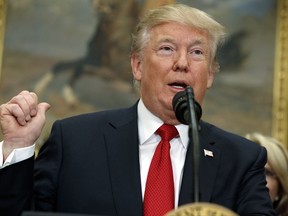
x=171, y=40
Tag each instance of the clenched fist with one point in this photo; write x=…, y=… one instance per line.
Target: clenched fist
x=21, y=120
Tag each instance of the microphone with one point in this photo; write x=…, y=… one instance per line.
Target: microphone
x=181, y=102
x=189, y=112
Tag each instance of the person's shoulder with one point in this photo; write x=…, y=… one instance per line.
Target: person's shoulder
x=99, y=117
x=228, y=140
x=235, y=147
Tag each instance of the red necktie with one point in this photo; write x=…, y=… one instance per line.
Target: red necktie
x=159, y=192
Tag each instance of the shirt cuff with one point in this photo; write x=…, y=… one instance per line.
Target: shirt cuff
x=16, y=155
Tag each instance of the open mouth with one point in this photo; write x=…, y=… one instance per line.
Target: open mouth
x=178, y=85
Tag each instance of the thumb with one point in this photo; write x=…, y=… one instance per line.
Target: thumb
x=43, y=108
x=41, y=111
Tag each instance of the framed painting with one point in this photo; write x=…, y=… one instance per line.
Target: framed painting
x=75, y=55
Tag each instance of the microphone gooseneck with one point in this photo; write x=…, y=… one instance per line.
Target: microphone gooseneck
x=189, y=112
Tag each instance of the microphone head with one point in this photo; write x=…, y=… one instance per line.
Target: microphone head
x=180, y=106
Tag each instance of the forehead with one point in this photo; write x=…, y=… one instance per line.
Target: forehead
x=178, y=31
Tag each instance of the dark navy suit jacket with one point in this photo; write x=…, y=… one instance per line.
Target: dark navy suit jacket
x=90, y=164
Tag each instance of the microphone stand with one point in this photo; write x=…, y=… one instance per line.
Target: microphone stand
x=185, y=107
x=194, y=142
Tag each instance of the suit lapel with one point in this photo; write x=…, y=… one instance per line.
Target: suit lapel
x=123, y=159
x=208, y=170
x=122, y=144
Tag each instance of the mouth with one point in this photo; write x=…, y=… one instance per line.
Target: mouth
x=178, y=85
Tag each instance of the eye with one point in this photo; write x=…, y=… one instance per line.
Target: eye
x=197, y=52
x=165, y=50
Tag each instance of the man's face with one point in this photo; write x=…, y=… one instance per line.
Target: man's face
x=176, y=56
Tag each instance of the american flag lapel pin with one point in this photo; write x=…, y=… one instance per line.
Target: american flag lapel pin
x=208, y=153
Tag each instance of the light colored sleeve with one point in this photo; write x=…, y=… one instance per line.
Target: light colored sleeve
x=17, y=155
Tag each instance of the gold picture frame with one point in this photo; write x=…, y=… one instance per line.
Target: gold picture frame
x=280, y=90
x=2, y=30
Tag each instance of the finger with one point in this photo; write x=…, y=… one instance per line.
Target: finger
x=27, y=101
x=32, y=101
x=18, y=106
x=17, y=112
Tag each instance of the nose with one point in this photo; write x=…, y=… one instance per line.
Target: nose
x=181, y=62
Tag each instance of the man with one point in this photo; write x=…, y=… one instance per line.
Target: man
x=99, y=163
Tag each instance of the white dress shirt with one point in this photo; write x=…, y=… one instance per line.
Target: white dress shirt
x=16, y=155
x=147, y=125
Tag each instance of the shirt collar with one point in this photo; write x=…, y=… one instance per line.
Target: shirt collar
x=148, y=123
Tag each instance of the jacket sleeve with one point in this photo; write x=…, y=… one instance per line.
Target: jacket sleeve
x=16, y=188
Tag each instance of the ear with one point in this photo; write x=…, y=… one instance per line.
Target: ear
x=136, y=67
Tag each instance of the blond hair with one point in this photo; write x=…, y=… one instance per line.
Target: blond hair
x=278, y=160
x=178, y=13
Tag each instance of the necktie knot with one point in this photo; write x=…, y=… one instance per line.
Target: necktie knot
x=167, y=132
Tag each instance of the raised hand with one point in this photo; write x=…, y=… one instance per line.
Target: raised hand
x=21, y=120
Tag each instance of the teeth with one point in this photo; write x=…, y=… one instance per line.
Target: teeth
x=176, y=86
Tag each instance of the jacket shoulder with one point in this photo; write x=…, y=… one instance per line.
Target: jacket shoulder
x=229, y=142
x=101, y=117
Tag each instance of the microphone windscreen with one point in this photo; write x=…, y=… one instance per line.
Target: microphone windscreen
x=180, y=106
